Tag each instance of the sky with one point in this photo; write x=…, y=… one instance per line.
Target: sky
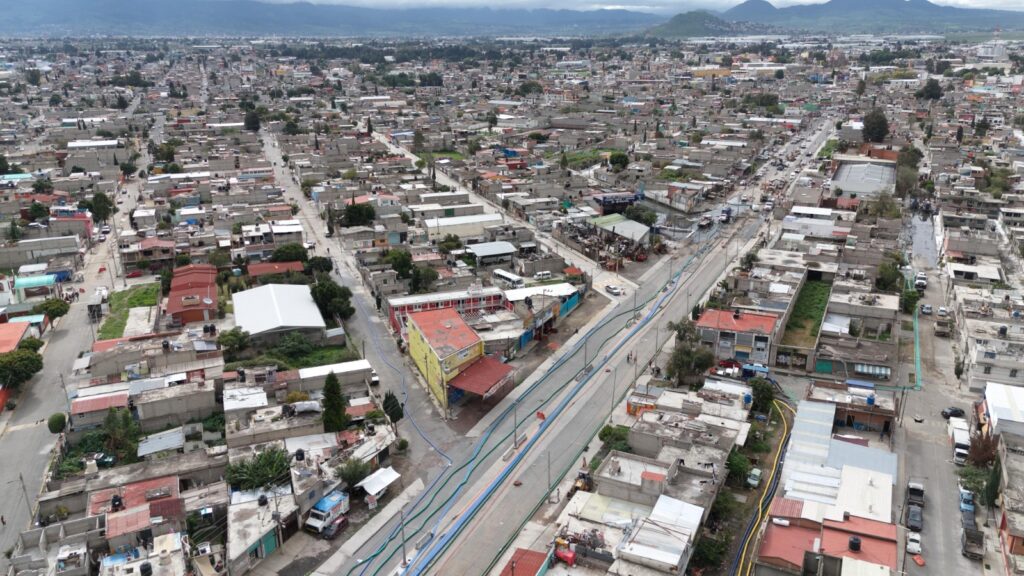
x=655, y=6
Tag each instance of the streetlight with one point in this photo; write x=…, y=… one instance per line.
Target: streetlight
x=24, y=491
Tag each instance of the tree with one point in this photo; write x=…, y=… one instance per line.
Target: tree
x=889, y=277
x=319, y=264
x=121, y=103
x=930, y=91
x=641, y=214
x=689, y=359
x=296, y=396
x=906, y=181
x=33, y=76
x=618, y=161
x=423, y=278
x=983, y=450
x=876, y=126
x=449, y=243
x=293, y=345
x=981, y=128
x=710, y=551
x=492, y=120
x=30, y=343
x=764, y=395
x=861, y=87
x=42, y=186
x=53, y=308
x=233, y=341
x=973, y=479
x=37, y=211
x=992, y=484
x=55, y=99
x=394, y=409
x=19, y=366
x=361, y=214
x=14, y=232
x=102, y=207
x=332, y=299
x=219, y=258
x=418, y=140
x=780, y=74
x=369, y=125
x=400, y=261
x=291, y=128
x=267, y=469
x=335, y=417
x=5, y=166
x=252, y=121
x=291, y=252
x=57, y=422
x=738, y=466
x=352, y=472
x=122, y=434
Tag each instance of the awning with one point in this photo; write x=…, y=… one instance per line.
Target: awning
x=377, y=482
x=872, y=370
x=484, y=377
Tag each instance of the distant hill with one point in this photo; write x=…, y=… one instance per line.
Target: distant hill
x=700, y=23
x=874, y=16
x=252, y=17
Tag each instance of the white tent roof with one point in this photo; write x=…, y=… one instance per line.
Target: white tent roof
x=276, y=307
x=375, y=483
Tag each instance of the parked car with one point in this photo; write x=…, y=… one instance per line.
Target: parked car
x=913, y=543
x=952, y=412
x=915, y=518
x=134, y=274
x=926, y=309
x=754, y=478
x=614, y=290
x=943, y=311
x=101, y=238
x=105, y=229
x=335, y=528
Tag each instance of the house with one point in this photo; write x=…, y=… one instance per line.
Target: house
x=441, y=345
x=89, y=412
x=269, y=312
x=743, y=335
x=11, y=334
x=195, y=304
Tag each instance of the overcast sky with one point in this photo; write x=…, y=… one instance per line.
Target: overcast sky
x=658, y=6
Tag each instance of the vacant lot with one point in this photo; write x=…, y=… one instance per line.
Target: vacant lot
x=804, y=323
x=120, y=302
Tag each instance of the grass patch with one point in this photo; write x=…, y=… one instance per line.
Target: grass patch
x=828, y=149
x=808, y=312
x=120, y=302
x=318, y=357
x=450, y=154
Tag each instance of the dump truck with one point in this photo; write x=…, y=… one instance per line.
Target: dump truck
x=972, y=543
x=326, y=511
x=584, y=481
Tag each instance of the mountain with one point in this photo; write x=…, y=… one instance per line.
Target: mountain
x=751, y=11
x=700, y=23
x=874, y=16
x=252, y=17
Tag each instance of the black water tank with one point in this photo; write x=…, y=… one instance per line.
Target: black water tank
x=300, y=455
x=263, y=502
x=854, y=544
x=146, y=569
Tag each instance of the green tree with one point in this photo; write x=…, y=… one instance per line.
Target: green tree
x=401, y=262
x=423, y=278
x=780, y=74
x=122, y=434
x=291, y=128
x=689, y=360
x=291, y=252
x=930, y=91
x=889, y=277
x=14, y=231
x=861, y=87
x=449, y=243
x=641, y=214
x=319, y=264
x=876, y=126
x=361, y=214
x=959, y=134
x=394, y=409
x=102, y=207
x=492, y=120
x=33, y=76
x=53, y=308
x=906, y=181
x=335, y=417
x=57, y=422
x=739, y=467
x=19, y=366
x=973, y=479
x=352, y=472
x=219, y=258
x=55, y=99
x=332, y=299
x=993, y=483
x=418, y=140
x=764, y=395
x=268, y=468
x=121, y=103
x=981, y=128
x=710, y=551
x=233, y=341
x=31, y=343
x=5, y=166
x=37, y=211
x=618, y=161
x=252, y=121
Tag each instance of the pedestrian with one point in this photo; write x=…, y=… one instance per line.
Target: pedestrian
x=3, y=520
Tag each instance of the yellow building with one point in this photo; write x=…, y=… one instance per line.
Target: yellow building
x=442, y=345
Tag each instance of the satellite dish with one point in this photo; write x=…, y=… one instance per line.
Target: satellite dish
x=207, y=301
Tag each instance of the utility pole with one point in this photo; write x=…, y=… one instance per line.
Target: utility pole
x=405, y=558
x=28, y=501
x=515, y=425
x=67, y=400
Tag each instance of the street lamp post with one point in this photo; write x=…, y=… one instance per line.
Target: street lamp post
x=405, y=558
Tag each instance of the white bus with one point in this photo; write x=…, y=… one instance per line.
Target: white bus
x=508, y=279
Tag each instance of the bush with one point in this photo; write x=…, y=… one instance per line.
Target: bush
x=57, y=422
x=739, y=467
x=296, y=396
x=403, y=445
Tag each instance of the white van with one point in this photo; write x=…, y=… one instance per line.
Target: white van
x=542, y=275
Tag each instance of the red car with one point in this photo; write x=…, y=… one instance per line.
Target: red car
x=134, y=274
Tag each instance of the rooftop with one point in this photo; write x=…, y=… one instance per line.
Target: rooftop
x=276, y=307
x=742, y=321
x=445, y=331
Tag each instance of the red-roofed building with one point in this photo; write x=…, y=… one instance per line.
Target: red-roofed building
x=486, y=377
x=744, y=335
x=89, y=412
x=193, y=275
x=524, y=563
x=784, y=546
x=878, y=540
x=442, y=345
x=258, y=269
x=193, y=296
x=133, y=494
x=153, y=252
x=11, y=334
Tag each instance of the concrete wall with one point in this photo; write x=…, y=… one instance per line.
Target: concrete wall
x=191, y=402
x=38, y=251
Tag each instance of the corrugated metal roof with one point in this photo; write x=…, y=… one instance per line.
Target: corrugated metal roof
x=41, y=281
x=167, y=440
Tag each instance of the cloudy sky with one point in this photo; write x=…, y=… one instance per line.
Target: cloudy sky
x=659, y=6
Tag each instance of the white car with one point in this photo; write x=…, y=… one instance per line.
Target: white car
x=943, y=312
x=614, y=290
x=913, y=543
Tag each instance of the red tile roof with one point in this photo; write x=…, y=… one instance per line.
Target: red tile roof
x=197, y=298
x=134, y=494
x=11, y=334
x=748, y=322
x=786, y=508
x=127, y=521
x=878, y=540
x=99, y=403
x=481, y=376
x=264, y=268
x=445, y=331
x=866, y=527
x=194, y=275
x=527, y=562
x=786, y=544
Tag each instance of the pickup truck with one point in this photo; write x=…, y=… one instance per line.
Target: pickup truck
x=972, y=543
x=326, y=511
x=915, y=493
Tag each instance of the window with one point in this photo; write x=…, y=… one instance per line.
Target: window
x=988, y=370
x=1013, y=372
x=990, y=354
